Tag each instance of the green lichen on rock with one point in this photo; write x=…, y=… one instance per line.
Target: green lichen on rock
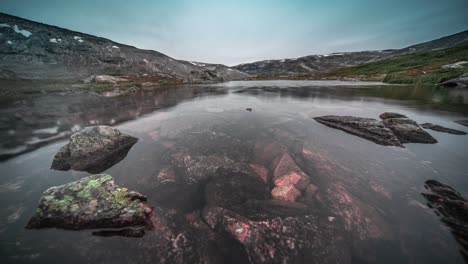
x=92, y=202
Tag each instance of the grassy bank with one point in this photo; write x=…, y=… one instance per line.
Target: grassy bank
x=421, y=67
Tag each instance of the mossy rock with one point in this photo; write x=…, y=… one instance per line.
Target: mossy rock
x=92, y=202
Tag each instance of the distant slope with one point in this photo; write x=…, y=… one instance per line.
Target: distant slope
x=31, y=50
x=317, y=64
x=419, y=67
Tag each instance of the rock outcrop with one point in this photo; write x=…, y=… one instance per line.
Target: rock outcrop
x=439, y=128
x=93, y=149
x=92, y=202
x=368, y=128
x=394, y=129
x=408, y=131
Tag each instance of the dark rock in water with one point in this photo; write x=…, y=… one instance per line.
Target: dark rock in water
x=408, y=131
x=249, y=109
x=368, y=128
x=442, y=129
x=462, y=122
x=126, y=232
x=93, y=149
x=294, y=239
x=231, y=187
x=452, y=208
x=388, y=115
x=261, y=171
x=198, y=167
x=92, y=202
x=266, y=153
x=460, y=82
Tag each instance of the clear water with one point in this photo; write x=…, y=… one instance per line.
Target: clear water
x=386, y=180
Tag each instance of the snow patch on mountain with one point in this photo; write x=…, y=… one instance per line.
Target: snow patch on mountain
x=78, y=38
x=23, y=32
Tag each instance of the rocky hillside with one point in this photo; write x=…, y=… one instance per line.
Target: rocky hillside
x=31, y=50
x=316, y=64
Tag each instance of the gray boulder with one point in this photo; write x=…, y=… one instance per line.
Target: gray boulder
x=460, y=82
x=93, y=149
x=104, y=79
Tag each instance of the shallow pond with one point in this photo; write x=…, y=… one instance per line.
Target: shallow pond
x=384, y=216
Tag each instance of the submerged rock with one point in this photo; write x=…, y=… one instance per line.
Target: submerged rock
x=442, y=129
x=287, y=193
x=92, y=202
x=93, y=149
x=452, y=208
x=368, y=128
x=291, y=239
x=287, y=173
x=408, y=131
x=231, y=187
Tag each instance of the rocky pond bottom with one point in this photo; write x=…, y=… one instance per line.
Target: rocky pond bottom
x=312, y=172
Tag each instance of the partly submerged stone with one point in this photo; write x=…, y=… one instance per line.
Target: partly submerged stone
x=93, y=149
x=286, y=172
x=462, y=122
x=232, y=186
x=92, y=202
x=408, y=131
x=439, y=128
x=368, y=128
x=388, y=115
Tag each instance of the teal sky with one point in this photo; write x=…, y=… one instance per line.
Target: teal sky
x=233, y=32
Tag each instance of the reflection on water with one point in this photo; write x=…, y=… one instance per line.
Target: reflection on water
x=373, y=190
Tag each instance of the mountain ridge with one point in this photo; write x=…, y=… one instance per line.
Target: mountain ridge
x=34, y=50
x=317, y=64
